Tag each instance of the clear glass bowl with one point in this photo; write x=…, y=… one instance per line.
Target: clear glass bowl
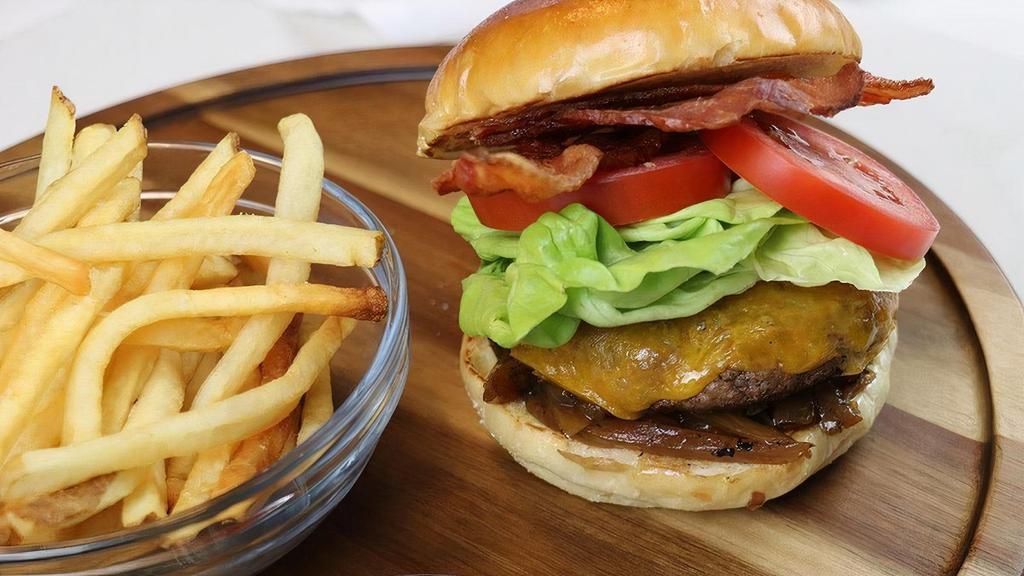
x=296, y=493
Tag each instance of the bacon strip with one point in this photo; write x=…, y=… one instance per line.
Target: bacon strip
x=882, y=90
x=483, y=173
x=538, y=172
x=821, y=96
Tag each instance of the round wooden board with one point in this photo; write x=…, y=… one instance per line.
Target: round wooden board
x=937, y=487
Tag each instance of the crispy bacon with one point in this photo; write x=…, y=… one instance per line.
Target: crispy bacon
x=882, y=90
x=483, y=173
x=823, y=96
x=542, y=166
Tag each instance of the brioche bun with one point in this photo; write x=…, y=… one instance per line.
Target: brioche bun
x=632, y=478
x=536, y=52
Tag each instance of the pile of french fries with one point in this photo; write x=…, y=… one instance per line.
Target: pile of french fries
x=147, y=366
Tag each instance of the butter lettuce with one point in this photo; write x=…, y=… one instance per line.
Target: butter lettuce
x=538, y=285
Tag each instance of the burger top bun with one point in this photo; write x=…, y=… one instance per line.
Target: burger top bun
x=632, y=478
x=536, y=52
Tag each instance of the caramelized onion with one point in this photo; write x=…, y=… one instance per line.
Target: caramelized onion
x=793, y=413
x=711, y=436
x=830, y=405
x=706, y=439
x=735, y=424
x=836, y=408
x=663, y=436
x=507, y=381
x=561, y=410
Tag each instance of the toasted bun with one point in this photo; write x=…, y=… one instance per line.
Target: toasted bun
x=632, y=478
x=535, y=52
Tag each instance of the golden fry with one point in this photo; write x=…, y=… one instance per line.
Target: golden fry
x=25, y=375
x=163, y=395
x=208, y=472
x=187, y=334
x=130, y=367
x=70, y=197
x=144, y=369
x=88, y=140
x=45, y=264
x=260, y=235
x=43, y=471
x=123, y=201
x=214, y=272
x=85, y=382
x=58, y=139
x=298, y=198
x=318, y=404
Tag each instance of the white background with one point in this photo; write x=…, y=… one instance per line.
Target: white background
x=963, y=141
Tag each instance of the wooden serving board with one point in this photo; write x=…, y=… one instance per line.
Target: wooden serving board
x=937, y=487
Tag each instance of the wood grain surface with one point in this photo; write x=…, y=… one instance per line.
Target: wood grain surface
x=937, y=487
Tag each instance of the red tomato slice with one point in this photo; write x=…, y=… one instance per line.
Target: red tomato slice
x=827, y=181
x=625, y=196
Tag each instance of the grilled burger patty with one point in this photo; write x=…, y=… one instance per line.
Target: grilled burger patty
x=769, y=342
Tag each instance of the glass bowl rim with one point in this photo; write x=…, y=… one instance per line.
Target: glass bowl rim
x=337, y=430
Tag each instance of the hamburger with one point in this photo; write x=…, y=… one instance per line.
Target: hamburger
x=687, y=294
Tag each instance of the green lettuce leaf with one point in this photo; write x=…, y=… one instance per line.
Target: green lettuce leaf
x=538, y=285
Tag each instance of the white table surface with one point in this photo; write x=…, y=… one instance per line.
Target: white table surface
x=963, y=141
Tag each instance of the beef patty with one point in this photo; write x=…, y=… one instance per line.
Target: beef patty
x=766, y=343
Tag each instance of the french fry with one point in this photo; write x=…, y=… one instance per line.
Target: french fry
x=214, y=272
x=178, y=468
x=298, y=199
x=67, y=199
x=53, y=165
x=130, y=367
x=85, y=381
x=143, y=370
x=43, y=471
x=25, y=374
x=225, y=189
x=137, y=276
x=6, y=340
x=176, y=473
x=35, y=520
x=222, y=192
x=58, y=139
x=258, y=264
x=162, y=396
x=123, y=201
x=136, y=174
x=13, y=303
x=207, y=474
x=190, y=197
x=189, y=334
x=318, y=404
x=88, y=140
x=260, y=235
x=256, y=453
x=189, y=363
x=192, y=193
x=45, y=264
x=44, y=428
x=206, y=366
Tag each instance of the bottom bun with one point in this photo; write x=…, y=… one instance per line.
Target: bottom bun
x=633, y=478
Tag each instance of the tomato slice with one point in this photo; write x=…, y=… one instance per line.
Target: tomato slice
x=662, y=186
x=827, y=181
